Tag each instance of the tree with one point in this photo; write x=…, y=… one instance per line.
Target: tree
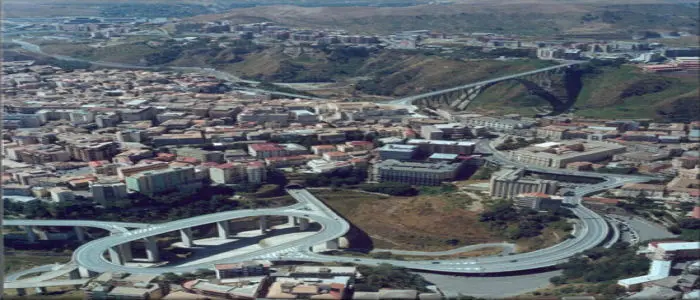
x=391, y=188
x=204, y=272
x=484, y=173
x=674, y=229
x=171, y=278
x=388, y=276
x=614, y=290
x=689, y=223
x=557, y=280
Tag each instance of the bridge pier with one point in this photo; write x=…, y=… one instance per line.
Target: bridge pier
x=40, y=290
x=292, y=221
x=223, y=229
x=332, y=244
x=125, y=250
x=152, y=253
x=263, y=224
x=79, y=233
x=21, y=292
x=31, y=235
x=75, y=274
x=303, y=224
x=115, y=256
x=85, y=273
x=186, y=236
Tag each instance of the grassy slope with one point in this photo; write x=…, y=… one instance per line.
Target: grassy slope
x=397, y=73
x=400, y=74
x=411, y=223
x=600, y=97
x=130, y=53
x=525, y=17
x=27, y=260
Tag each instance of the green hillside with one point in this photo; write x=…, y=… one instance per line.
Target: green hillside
x=626, y=92
x=609, y=92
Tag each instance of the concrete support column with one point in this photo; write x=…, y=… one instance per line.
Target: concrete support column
x=85, y=273
x=75, y=274
x=291, y=220
x=186, y=236
x=152, y=253
x=263, y=224
x=31, y=236
x=79, y=233
x=40, y=290
x=222, y=228
x=115, y=256
x=332, y=244
x=21, y=292
x=125, y=250
x=303, y=224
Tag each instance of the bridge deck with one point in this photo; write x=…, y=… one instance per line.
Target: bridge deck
x=410, y=99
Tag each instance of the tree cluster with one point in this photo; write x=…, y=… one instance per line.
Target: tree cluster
x=172, y=278
x=336, y=178
x=388, y=276
x=646, y=86
x=151, y=10
x=603, y=264
x=689, y=229
x=484, y=173
x=514, y=224
x=163, y=207
x=390, y=188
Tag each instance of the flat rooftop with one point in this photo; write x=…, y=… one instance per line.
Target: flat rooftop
x=440, y=142
x=398, y=148
x=417, y=166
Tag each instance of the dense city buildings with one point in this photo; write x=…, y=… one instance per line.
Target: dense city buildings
x=115, y=142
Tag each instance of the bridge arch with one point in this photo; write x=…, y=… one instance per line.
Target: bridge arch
x=557, y=103
x=558, y=85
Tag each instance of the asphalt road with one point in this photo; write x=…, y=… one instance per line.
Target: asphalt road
x=40, y=269
x=647, y=230
x=109, y=226
x=25, y=285
x=489, y=287
x=507, y=248
x=90, y=255
x=591, y=233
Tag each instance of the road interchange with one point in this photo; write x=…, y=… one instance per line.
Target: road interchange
x=592, y=231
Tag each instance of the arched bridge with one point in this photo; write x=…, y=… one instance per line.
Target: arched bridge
x=559, y=85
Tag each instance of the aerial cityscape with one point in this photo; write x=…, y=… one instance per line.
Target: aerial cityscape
x=356, y=149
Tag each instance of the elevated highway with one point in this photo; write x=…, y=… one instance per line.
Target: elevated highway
x=92, y=255
x=559, y=85
x=592, y=232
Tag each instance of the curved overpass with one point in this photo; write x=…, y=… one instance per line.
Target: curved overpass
x=113, y=227
x=91, y=255
x=592, y=233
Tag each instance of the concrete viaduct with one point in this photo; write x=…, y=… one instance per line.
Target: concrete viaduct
x=559, y=85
